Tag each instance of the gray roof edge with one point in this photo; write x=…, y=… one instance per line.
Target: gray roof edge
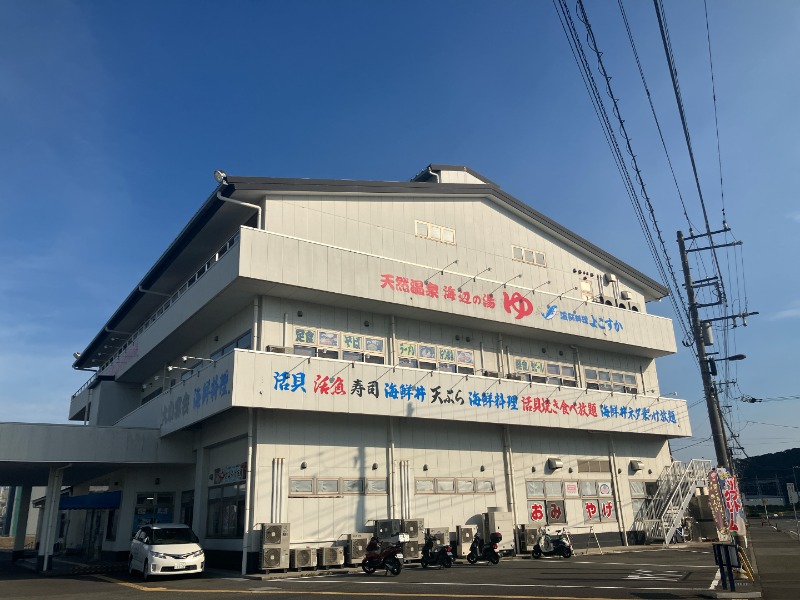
x=202, y=214
x=267, y=184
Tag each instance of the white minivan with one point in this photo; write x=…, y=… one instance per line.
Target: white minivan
x=166, y=549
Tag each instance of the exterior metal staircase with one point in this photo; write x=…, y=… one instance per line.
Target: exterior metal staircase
x=661, y=516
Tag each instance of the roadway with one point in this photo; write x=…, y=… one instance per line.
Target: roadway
x=674, y=573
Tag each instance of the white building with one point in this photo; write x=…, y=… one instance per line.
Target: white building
x=330, y=354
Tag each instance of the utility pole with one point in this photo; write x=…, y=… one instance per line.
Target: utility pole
x=709, y=388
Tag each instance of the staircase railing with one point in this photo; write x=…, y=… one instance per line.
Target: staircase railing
x=660, y=517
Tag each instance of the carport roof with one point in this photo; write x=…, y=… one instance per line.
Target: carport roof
x=29, y=450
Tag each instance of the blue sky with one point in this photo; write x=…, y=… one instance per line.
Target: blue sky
x=113, y=116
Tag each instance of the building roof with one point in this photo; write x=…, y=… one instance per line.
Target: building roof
x=172, y=268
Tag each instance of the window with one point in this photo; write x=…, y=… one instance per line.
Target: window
x=465, y=486
x=484, y=486
x=551, y=510
x=610, y=381
x=376, y=486
x=187, y=508
x=154, y=507
x=436, y=358
x=537, y=488
x=424, y=486
x=560, y=374
x=325, y=343
x=529, y=256
x=642, y=493
x=445, y=486
x=531, y=369
x=111, y=524
x=151, y=395
x=449, y=485
x=327, y=486
x=303, y=487
x=334, y=486
x=352, y=486
x=553, y=489
x=594, y=466
x=534, y=489
x=244, y=341
x=434, y=232
x=226, y=510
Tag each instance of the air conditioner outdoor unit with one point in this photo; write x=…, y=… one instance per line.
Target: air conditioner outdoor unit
x=302, y=558
x=502, y=522
x=442, y=534
x=527, y=537
x=275, y=534
x=626, y=295
x=464, y=537
x=275, y=546
x=490, y=374
x=387, y=528
x=356, y=548
x=274, y=557
x=411, y=550
x=414, y=528
x=515, y=376
x=277, y=349
x=330, y=557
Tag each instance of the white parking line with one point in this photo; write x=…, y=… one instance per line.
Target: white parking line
x=586, y=562
x=534, y=585
x=715, y=581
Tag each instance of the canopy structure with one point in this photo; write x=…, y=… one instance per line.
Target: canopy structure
x=91, y=501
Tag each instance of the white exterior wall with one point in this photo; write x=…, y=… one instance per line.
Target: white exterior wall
x=324, y=257
x=484, y=236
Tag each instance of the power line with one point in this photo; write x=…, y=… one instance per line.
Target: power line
x=714, y=95
x=774, y=425
x=673, y=71
x=652, y=108
x=667, y=273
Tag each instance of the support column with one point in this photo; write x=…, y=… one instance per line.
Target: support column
x=22, y=504
x=50, y=522
x=200, y=509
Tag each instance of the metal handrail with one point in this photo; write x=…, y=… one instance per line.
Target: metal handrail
x=163, y=308
x=676, y=483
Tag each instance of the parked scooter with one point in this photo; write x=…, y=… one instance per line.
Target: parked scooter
x=389, y=557
x=559, y=544
x=480, y=550
x=440, y=555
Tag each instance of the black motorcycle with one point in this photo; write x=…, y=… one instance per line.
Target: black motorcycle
x=480, y=550
x=441, y=555
x=389, y=557
x=552, y=545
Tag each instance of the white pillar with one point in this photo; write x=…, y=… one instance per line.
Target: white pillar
x=200, y=509
x=22, y=504
x=50, y=522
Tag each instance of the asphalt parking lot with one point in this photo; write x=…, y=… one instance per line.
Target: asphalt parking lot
x=650, y=574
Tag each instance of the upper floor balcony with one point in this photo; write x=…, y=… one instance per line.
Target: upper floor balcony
x=288, y=382
x=257, y=262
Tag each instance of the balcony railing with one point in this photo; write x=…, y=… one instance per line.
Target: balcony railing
x=163, y=308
